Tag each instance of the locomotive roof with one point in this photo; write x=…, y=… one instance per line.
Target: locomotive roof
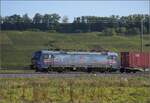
x=63, y=52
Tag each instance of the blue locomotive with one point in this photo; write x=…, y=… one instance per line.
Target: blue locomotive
x=45, y=60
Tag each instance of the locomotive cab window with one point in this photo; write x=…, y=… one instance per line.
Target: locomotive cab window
x=45, y=56
x=52, y=56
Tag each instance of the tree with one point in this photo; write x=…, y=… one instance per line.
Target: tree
x=83, y=19
x=13, y=19
x=37, y=19
x=26, y=19
x=77, y=20
x=109, y=25
x=122, y=30
x=65, y=19
x=134, y=31
x=46, y=20
x=1, y=19
x=55, y=18
x=51, y=21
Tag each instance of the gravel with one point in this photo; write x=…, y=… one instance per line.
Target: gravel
x=70, y=74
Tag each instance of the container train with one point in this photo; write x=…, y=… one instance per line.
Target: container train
x=45, y=60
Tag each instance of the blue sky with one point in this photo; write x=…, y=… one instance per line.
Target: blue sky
x=75, y=8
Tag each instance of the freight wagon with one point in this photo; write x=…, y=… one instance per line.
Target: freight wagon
x=45, y=60
x=135, y=61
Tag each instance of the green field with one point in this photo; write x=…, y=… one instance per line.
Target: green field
x=18, y=46
x=91, y=89
x=16, y=71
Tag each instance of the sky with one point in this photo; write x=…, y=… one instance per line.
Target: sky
x=73, y=9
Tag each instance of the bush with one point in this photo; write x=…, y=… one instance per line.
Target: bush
x=122, y=30
x=78, y=31
x=109, y=31
x=34, y=29
x=52, y=31
x=134, y=31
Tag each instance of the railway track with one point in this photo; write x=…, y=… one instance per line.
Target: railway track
x=69, y=74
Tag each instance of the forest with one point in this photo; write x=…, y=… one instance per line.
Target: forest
x=112, y=25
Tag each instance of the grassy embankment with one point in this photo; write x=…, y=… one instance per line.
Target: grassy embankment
x=17, y=47
x=10, y=71
x=113, y=89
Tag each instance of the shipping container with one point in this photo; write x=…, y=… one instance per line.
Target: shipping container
x=135, y=60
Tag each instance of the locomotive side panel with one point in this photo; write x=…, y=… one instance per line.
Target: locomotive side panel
x=85, y=60
x=81, y=60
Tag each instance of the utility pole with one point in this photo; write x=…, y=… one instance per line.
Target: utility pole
x=89, y=28
x=141, y=36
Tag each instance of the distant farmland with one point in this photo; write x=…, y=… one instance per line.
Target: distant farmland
x=18, y=46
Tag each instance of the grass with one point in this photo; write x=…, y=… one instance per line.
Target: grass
x=10, y=71
x=18, y=46
x=114, y=89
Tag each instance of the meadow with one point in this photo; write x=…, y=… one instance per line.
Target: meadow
x=16, y=71
x=17, y=46
x=89, y=89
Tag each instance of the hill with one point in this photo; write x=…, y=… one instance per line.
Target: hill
x=18, y=46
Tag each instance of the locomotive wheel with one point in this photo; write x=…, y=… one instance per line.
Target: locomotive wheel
x=59, y=71
x=36, y=70
x=122, y=70
x=89, y=70
x=50, y=68
x=134, y=71
x=128, y=71
x=32, y=67
x=46, y=70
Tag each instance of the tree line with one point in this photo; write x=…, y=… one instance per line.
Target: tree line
x=112, y=25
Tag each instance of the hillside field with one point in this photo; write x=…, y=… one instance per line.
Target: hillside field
x=18, y=46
